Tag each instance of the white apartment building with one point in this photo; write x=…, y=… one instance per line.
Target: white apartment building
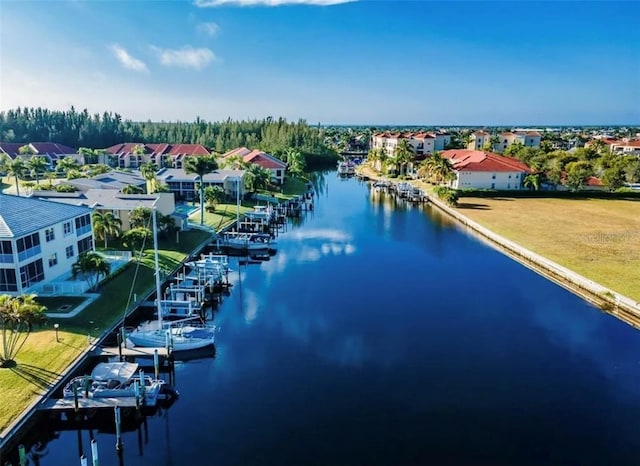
x=39, y=241
x=184, y=185
x=525, y=138
x=485, y=170
x=478, y=140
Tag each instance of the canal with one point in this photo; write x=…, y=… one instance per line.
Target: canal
x=384, y=334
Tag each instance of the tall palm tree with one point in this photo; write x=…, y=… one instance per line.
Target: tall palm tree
x=532, y=181
x=437, y=169
x=16, y=168
x=106, y=224
x=131, y=189
x=18, y=315
x=148, y=171
x=37, y=164
x=234, y=162
x=201, y=165
x=403, y=155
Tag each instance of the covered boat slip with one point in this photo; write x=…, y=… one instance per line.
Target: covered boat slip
x=120, y=371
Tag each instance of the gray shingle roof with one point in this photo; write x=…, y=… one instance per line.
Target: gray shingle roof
x=22, y=215
x=178, y=174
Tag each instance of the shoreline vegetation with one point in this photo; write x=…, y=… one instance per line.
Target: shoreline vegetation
x=595, y=238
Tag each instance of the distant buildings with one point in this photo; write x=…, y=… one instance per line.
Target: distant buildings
x=485, y=170
x=51, y=151
x=479, y=140
x=133, y=155
x=183, y=184
x=421, y=143
x=39, y=241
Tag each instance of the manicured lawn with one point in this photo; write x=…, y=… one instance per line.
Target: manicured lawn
x=54, y=304
x=597, y=238
x=224, y=215
x=43, y=359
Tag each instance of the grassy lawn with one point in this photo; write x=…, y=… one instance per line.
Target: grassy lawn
x=597, y=238
x=224, y=215
x=55, y=303
x=43, y=359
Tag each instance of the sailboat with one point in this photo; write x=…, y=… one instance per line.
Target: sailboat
x=178, y=338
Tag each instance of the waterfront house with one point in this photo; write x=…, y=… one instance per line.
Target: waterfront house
x=184, y=185
x=39, y=241
x=628, y=147
x=111, y=200
x=276, y=166
x=485, y=170
x=134, y=154
x=421, y=143
x=53, y=152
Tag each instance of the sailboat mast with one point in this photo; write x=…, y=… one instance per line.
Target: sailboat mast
x=157, y=264
x=238, y=203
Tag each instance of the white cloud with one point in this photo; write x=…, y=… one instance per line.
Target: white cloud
x=210, y=29
x=127, y=60
x=186, y=57
x=214, y=3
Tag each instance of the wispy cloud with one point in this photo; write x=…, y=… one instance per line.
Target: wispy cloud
x=214, y=3
x=210, y=29
x=186, y=57
x=127, y=60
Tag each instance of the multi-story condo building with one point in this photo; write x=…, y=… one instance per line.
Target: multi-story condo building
x=257, y=157
x=51, y=151
x=525, y=138
x=421, y=143
x=133, y=155
x=185, y=185
x=485, y=170
x=478, y=140
x=39, y=241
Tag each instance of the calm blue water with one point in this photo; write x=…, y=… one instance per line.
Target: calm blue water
x=385, y=335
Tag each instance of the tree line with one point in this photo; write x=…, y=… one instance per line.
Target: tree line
x=82, y=129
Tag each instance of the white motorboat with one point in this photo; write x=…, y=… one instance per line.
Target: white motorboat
x=260, y=213
x=117, y=380
x=246, y=241
x=162, y=335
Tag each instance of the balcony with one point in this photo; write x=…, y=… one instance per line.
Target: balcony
x=80, y=231
x=27, y=253
x=6, y=258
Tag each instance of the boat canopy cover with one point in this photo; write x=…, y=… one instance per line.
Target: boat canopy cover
x=121, y=371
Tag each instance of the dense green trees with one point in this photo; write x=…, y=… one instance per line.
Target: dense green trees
x=81, y=129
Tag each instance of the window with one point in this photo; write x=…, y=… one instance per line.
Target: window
x=53, y=259
x=31, y=273
x=8, y=280
x=67, y=228
x=493, y=177
x=278, y=172
x=83, y=225
x=85, y=245
x=509, y=176
x=48, y=234
x=509, y=186
x=69, y=251
x=28, y=246
x=6, y=252
x=493, y=186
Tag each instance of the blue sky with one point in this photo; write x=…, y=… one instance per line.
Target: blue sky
x=361, y=62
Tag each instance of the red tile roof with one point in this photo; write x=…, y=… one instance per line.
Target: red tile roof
x=42, y=148
x=593, y=181
x=264, y=160
x=480, y=133
x=161, y=148
x=11, y=148
x=479, y=161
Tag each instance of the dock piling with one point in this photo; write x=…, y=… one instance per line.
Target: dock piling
x=75, y=398
x=23, y=455
x=116, y=410
x=94, y=452
x=83, y=460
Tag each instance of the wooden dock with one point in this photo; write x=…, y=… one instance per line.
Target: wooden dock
x=129, y=352
x=65, y=404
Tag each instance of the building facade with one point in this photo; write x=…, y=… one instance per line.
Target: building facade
x=185, y=185
x=267, y=161
x=39, y=241
x=134, y=154
x=485, y=170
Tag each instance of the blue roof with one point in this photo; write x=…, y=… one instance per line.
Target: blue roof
x=23, y=215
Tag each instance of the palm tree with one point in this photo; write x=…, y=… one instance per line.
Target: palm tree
x=106, y=224
x=257, y=177
x=403, y=155
x=148, y=171
x=140, y=217
x=132, y=189
x=437, y=169
x=50, y=176
x=92, y=266
x=213, y=195
x=18, y=315
x=295, y=162
x=532, y=181
x=234, y=162
x=67, y=165
x=17, y=169
x=37, y=164
x=201, y=166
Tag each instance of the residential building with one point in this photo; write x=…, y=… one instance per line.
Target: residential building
x=485, y=170
x=39, y=241
x=110, y=200
x=113, y=180
x=184, y=185
x=276, y=166
x=421, y=143
x=478, y=140
x=628, y=147
x=51, y=151
x=163, y=155
x=443, y=139
x=524, y=138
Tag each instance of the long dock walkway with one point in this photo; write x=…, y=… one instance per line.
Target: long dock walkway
x=65, y=404
x=138, y=352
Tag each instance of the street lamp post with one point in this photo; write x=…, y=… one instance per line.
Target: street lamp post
x=55, y=326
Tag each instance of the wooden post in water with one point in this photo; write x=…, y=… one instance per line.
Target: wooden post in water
x=116, y=410
x=94, y=452
x=136, y=391
x=75, y=397
x=156, y=363
x=83, y=460
x=85, y=384
x=119, y=346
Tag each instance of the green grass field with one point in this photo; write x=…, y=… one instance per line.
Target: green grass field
x=597, y=238
x=43, y=359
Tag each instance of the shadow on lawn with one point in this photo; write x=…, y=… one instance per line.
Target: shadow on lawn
x=38, y=376
x=471, y=205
